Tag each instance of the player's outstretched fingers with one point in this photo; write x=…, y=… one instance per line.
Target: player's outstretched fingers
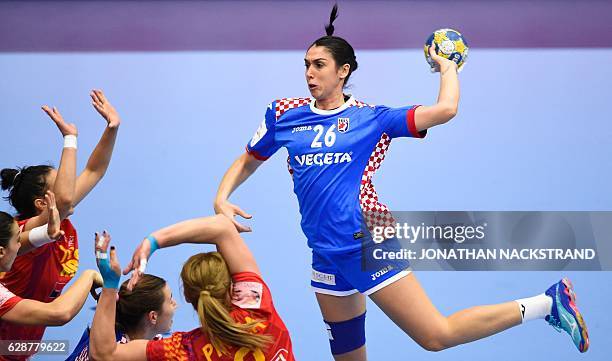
x=101, y=244
x=47, y=110
x=435, y=57
x=100, y=95
x=114, y=261
x=241, y=227
x=95, y=97
x=54, y=222
x=134, y=279
x=99, y=108
x=242, y=213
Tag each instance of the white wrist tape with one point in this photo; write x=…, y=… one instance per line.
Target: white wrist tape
x=101, y=255
x=38, y=236
x=101, y=241
x=143, y=265
x=70, y=141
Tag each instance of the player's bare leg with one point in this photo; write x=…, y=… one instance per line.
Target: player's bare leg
x=338, y=309
x=407, y=304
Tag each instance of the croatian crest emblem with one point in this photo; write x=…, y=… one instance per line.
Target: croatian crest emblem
x=343, y=125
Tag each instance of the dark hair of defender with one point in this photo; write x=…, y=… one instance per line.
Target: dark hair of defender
x=25, y=185
x=340, y=49
x=132, y=306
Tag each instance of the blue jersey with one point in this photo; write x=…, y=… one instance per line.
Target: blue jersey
x=333, y=155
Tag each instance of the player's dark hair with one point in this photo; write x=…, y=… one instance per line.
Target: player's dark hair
x=340, y=49
x=132, y=306
x=6, y=228
x=25, y=185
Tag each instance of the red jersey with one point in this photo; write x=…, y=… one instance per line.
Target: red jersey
x=251, y=299
x=8, y=300
x=40, y=275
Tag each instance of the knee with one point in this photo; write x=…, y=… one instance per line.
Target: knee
x=346, y=336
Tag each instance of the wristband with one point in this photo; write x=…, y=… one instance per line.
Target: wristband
x=39, y=237
x=109, y=277
x=70, y=141
x=154, y=244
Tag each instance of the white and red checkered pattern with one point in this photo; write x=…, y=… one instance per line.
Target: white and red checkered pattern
x=282, y=105
x=375, y=213
x=360, y=104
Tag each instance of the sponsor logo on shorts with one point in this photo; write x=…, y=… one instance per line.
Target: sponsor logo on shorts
x=324, y=278
x=381, y=272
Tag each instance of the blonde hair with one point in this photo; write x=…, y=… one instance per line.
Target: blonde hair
x=206, y=285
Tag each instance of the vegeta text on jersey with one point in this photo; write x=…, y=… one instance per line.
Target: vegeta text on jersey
x=333, y=155
x=322, y=158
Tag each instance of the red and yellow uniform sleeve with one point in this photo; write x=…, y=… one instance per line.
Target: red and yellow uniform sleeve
x=8, y=300
x=170, y=348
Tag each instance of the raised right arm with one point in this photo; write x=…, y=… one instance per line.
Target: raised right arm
x=66, y=173
x=217, y=230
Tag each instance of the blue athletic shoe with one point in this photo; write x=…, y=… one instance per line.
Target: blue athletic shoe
x=565, y=315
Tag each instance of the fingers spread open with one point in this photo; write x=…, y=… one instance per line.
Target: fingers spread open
x=101, y=96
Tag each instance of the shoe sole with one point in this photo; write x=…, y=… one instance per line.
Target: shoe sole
x=569, y=291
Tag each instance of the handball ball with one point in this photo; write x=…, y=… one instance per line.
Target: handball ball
x=449, y=44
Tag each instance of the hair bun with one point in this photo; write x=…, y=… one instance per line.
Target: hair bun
x=8, y=176
x=329, y=28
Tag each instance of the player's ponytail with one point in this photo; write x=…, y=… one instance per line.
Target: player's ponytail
x=340, y=49
x=8, y=176
x=25, y=185
x=329, y=28
x=6, y=228
x=206, y=285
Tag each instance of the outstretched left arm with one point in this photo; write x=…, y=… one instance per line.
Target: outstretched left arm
x=102, y=344
x=445, y=109
x=101, y=156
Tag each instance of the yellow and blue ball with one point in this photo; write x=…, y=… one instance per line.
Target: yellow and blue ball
x=449, y=44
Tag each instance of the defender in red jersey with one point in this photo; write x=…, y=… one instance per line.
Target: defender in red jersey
x=234, y=304
x=41, y=271
x=21, y=318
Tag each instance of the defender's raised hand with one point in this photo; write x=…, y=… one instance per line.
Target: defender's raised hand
x=105, y=108
x=110, y=270
x=54, y=223
x=56, y=117
x=138, y=263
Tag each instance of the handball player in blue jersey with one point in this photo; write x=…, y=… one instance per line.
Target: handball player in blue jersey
x=335, y=144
